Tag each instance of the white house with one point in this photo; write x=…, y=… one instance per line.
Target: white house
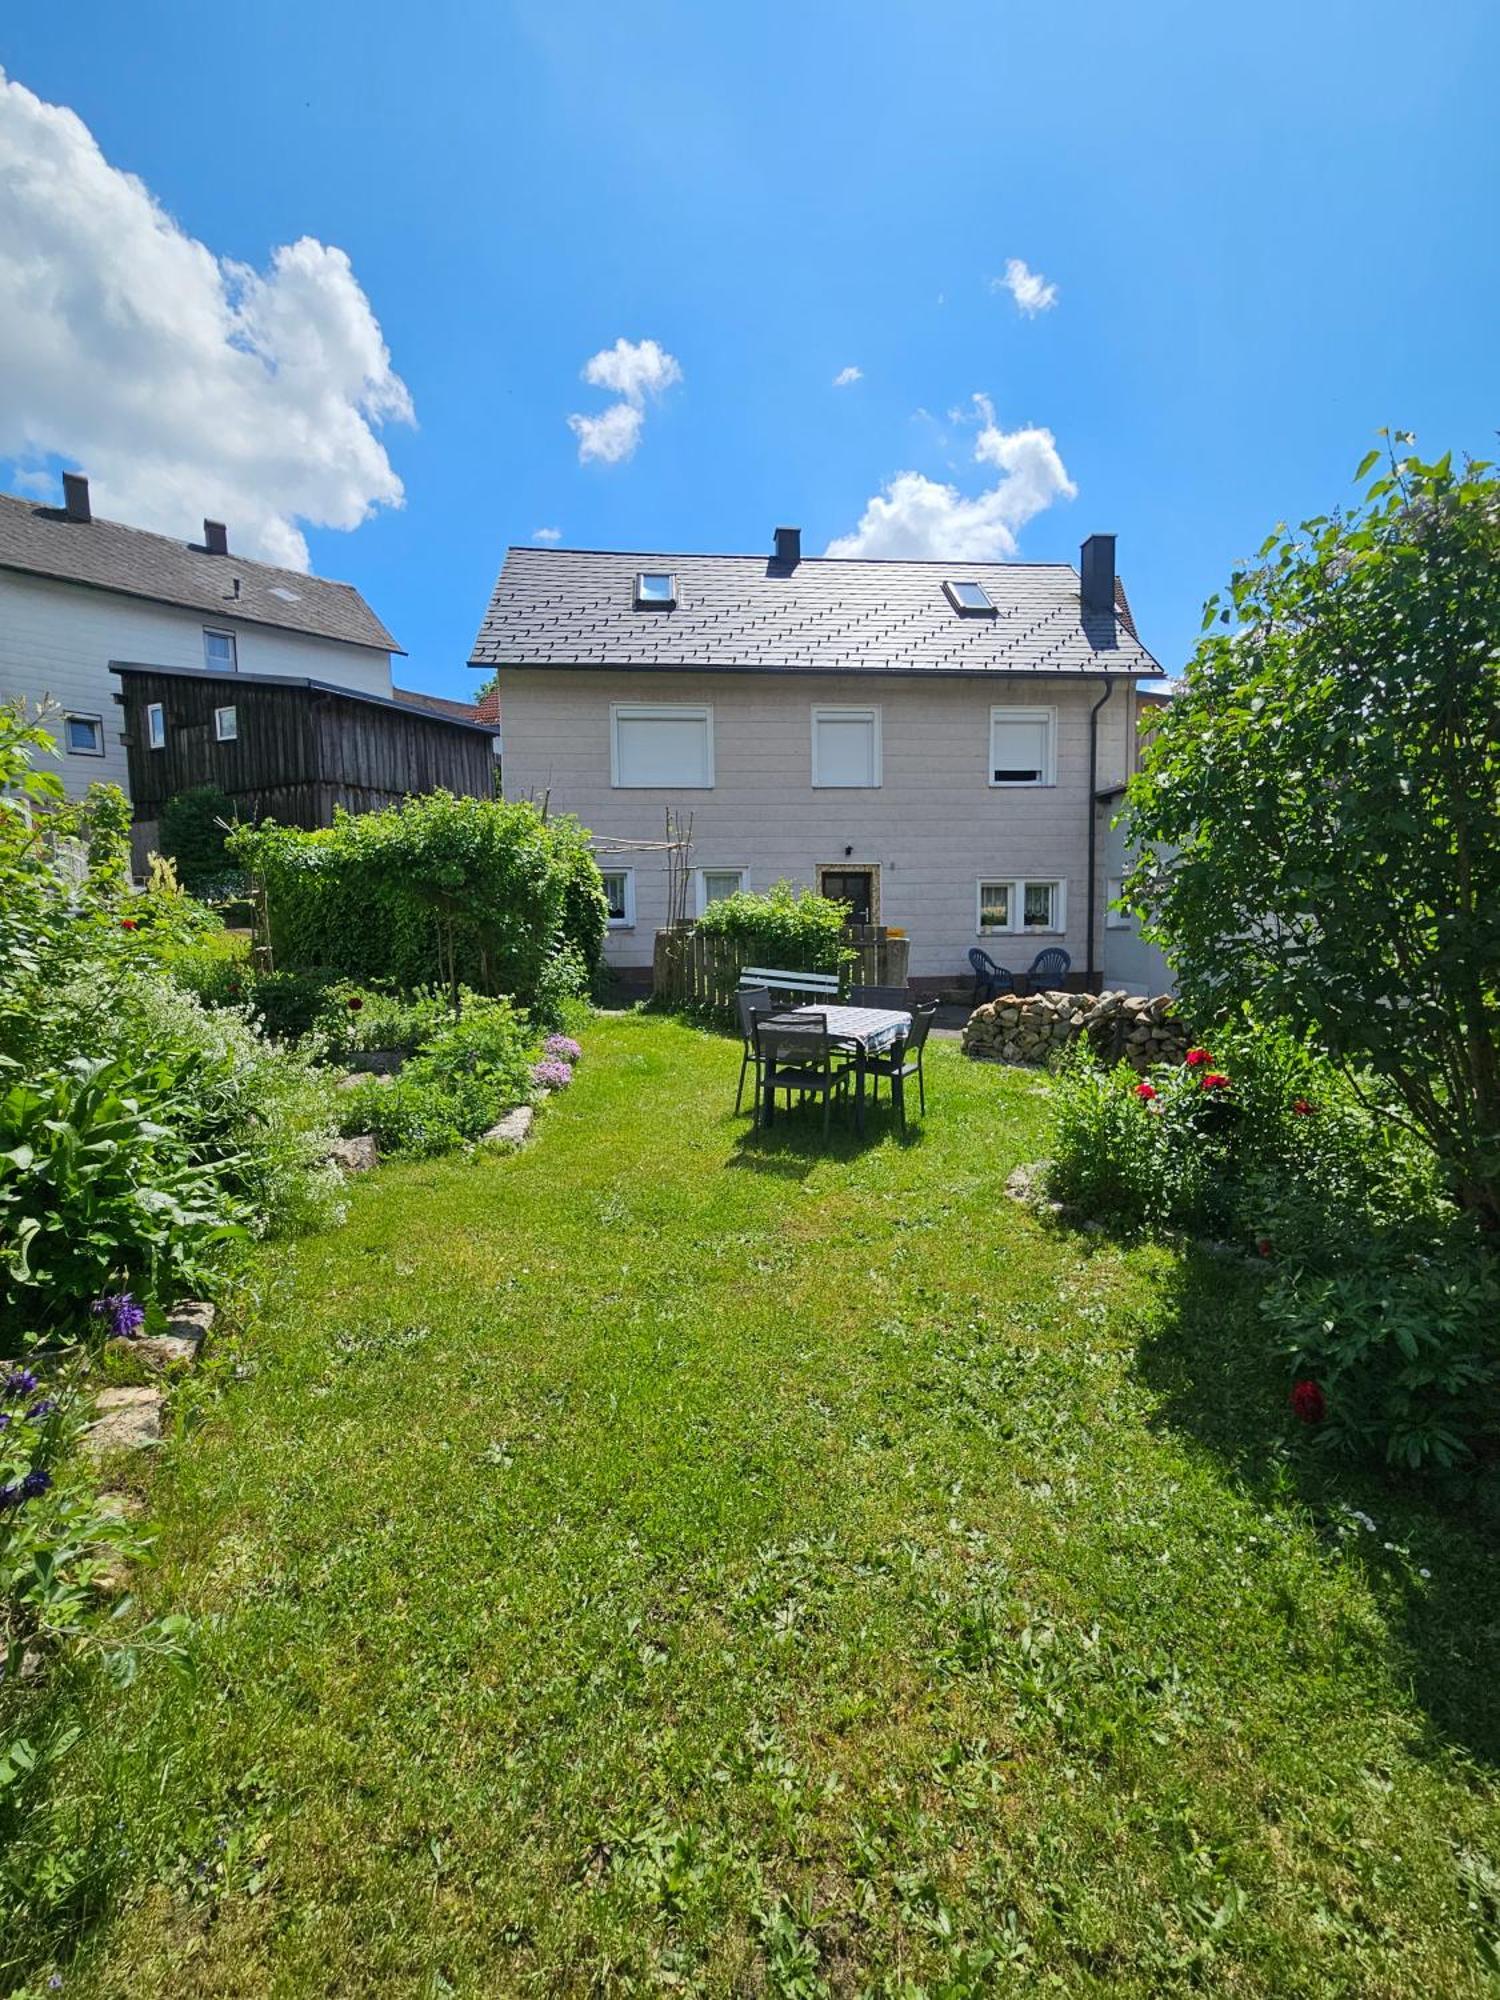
x=78, y=593
x=932, y=742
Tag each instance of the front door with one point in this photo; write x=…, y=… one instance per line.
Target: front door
x=854, y=886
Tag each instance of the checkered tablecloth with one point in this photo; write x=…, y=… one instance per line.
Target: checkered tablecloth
x=869, y=1028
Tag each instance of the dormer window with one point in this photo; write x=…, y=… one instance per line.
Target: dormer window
x=655, y=590
x=969, y=600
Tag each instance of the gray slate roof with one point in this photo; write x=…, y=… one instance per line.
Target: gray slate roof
x=106, y=555
x=576, y=608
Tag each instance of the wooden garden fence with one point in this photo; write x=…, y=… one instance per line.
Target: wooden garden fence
x=693, y=968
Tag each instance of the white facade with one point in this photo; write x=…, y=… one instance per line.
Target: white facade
x=788, y=776
x=57, y=640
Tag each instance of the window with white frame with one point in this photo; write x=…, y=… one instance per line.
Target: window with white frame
x=714, y=884
x=226, y=725
x=846, y=747
x=1017, y=908
x=220, y=654
x=619, y=893
x=84, y=735
x=667, y=745
x=156, y=725
x=1023, y=746
x=1116, y=920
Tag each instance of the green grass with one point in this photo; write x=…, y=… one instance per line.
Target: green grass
x=666, y=1559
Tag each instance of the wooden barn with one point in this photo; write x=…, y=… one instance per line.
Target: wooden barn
x=292, y=750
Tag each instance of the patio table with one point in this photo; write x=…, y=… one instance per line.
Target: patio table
x=867, y=1031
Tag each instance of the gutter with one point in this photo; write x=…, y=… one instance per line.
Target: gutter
x=1091, y=970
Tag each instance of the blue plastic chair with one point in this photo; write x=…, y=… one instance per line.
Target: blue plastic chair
x=1048, y=969
x=989, y=978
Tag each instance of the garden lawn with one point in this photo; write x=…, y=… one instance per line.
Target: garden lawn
x=662, y=1558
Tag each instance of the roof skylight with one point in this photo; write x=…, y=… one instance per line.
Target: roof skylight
x=969, y=599
x=655, y=588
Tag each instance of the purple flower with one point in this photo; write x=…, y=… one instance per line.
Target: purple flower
x=10, y=1496
x=35, y=1483
x=4, y=1420
x=20, y=1382
x=125, y=1317
x=42, y=1409
x=563, y=1047
x=551, y=1075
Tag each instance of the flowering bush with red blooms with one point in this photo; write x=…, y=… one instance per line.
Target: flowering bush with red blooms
x=1303, y=1107
x=1308, y=1401
x=1146, y=1092
x=128, y=924
x=1196, y=1058
x=354, y=1003
x=1214, y=1079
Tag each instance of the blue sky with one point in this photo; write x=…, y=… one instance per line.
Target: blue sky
x=1269, y=231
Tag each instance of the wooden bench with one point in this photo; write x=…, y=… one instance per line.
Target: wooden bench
x=814, y=985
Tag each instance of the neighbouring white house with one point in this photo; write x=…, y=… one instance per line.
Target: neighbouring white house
x=79, y=595
x=936, y=743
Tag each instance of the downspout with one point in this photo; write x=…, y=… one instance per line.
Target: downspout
x=1090, y=971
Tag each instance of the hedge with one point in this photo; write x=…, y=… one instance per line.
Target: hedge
x=437, y=890
x=785, y=927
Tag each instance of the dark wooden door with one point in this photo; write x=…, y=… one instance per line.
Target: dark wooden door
x=854, y=886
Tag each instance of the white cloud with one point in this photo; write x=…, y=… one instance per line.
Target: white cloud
x=183, y=383
x=634, y=369
x=1028, y=288
x=847, y=377
x=917, y=516
x=546, y=534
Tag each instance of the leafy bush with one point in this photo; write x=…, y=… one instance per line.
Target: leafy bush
x=191, y=832
x=95, y=1189
x=438, y=890
x=560, y=998
x=288, y=1005
x=1381, y=1296
x=462, y=1079
x=793, y=929
x=354, y=1020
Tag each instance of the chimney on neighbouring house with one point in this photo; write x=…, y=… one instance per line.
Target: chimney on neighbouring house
x=76, y=497
x=1096, y=566
x=216, y=538
x=789, y=546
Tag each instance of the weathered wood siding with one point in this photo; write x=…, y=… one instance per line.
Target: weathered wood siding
x=299, y=752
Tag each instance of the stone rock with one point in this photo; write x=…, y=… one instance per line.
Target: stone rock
x=124, y=1506
x=161, y=1353
x=128, y=1420
x=513, y=1129
x=356, y=1077
x=356, y=1155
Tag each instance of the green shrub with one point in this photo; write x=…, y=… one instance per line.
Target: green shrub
x=354, y=1020
x=288, y=1005
x=191, y=835
x=96, y=1191
x=464, y=1077
x=562, y=990
x=214, y=967
x=794, y=930
x=437, y=891
x=1378, y=1293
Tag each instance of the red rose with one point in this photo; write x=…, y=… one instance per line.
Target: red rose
x=127, y=924
x=1307, y=1401
x=355, y=1003
x=1215, y=1080
x=1303, y=1107
x=1263, y=1245
x=1195, y=1058
x=1145, y=1092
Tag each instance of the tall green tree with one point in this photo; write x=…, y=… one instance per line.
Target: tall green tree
x=1318, y=816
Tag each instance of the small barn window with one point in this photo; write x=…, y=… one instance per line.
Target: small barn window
x=84, y=735
x=226, y=725
x=220, y=654
x=156, y=725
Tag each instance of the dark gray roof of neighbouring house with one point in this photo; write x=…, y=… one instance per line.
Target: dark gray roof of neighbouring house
x=235, y=683
x=105, y=555
x=576, y=608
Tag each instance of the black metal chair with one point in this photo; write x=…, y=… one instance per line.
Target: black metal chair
x=903, y=1060
x=749, y=1001
x=896, y=997
x=795, y=1052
